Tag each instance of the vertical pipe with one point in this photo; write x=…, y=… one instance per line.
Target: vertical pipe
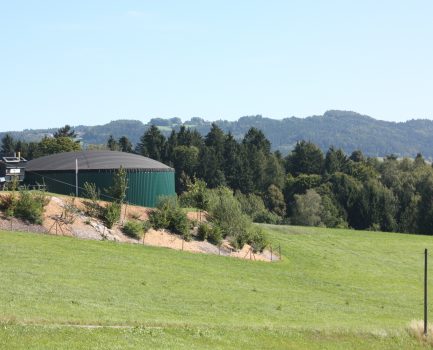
x=425, y=291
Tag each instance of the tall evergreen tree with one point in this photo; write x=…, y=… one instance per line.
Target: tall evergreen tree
x=8, y=145
x=125, y=145
x=335, y=161
x=152, y=144
x=210, y=170
x=112, y=144
x=306, y=158
x=254, y=138
x=232, y=163
x=65, y=131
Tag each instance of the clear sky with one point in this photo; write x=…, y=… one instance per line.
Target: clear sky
x=89, y=62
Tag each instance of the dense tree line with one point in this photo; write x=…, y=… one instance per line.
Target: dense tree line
x=344, y=129
x=63, y=140
x=306, y=187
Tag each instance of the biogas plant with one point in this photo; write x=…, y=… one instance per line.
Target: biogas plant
x=66, y=173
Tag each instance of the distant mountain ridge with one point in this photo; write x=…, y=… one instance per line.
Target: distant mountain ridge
x=341, y=129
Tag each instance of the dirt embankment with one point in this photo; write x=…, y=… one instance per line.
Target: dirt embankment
x=59, y=220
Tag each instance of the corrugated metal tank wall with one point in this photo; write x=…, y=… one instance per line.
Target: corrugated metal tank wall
x=144, y=187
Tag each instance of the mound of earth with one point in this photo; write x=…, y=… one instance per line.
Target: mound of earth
x=60, y=220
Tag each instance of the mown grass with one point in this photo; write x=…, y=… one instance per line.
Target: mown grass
x=334, y=289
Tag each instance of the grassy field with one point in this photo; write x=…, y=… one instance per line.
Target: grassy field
x=334, y=289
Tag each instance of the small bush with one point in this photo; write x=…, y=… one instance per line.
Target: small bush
x=257, y=239
x=251, y=204
x=215, y=236
x=12, y=185
x=112, y=214
x=70, y=211
x=179, y=223
x=212, y=234
x=169, y=215
x=239, y=239
x=146, y=226
x=8, y=203
x=254, y=236
x=30, y=207
x=158, y=219
x=133, y=229
x=204, y=231
x=267, y=217
x=93, y=208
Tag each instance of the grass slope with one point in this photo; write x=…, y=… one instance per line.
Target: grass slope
x=334, y=289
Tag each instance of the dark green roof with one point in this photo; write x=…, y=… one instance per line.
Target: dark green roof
x=95, y=160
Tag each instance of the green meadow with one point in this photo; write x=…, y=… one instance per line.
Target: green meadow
x=333, y=289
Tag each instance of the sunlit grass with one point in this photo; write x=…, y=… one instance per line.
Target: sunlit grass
x=333, y=287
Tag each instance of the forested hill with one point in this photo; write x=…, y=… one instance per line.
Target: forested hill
x=342, y=129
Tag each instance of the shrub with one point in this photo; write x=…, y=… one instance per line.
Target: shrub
x=93, y=208
x=30, y=207
x=253, y=236
x=158, y=219
x=257, y=239
x=70, y=211
x=308, y=209
x=146, y=226
x=204, y=231
x=215, y=235
x=117, y=190
x=133, y=229
x=112, y=214
x=239, y=239
x=179, y=223
x=212, y=234
x=8, y=203
x=227, y=216
x=225, y=212
x=195, y=196
x=251, y=204
x=267, y=217
x=169, y=215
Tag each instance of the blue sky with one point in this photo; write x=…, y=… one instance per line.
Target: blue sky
x=89, y=62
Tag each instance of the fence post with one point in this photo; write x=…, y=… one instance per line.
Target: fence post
x=271, y=253
x=425, y=291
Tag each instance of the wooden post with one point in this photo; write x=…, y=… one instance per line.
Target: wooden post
x=271, y=253
x=425, y=291
x=124, y=214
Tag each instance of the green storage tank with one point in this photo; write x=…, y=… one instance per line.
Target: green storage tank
x=148, y=179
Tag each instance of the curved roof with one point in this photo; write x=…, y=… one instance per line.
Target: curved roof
x=95, y=160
